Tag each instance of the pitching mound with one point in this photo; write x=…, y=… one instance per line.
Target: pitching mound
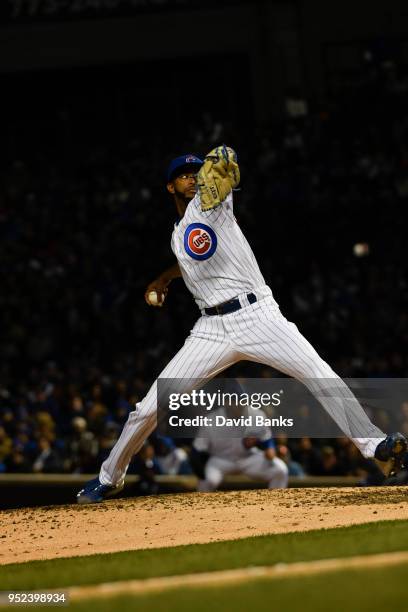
x=170, y=520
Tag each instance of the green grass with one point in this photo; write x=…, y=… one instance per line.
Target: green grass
x=351, y=591
x=371, y=538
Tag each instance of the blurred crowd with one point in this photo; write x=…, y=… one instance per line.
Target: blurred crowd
x=322, y=204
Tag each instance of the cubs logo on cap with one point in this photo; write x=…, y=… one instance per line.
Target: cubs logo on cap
x=182, y=163
x=200, y=241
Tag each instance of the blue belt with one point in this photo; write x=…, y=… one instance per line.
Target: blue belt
x=230, y=306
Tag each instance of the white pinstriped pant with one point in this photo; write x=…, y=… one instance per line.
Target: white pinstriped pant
x=257, y=332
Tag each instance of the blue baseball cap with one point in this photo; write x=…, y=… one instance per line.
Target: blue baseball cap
x=184, y=161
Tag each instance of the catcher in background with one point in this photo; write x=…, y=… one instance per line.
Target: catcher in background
x=253, y=454
x=240, y=319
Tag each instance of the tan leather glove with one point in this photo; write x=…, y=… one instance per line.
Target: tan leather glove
x=217, y=177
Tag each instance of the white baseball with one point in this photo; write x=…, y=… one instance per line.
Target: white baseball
x=154, y=298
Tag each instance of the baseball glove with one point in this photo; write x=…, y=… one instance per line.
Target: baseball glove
x=217, y=177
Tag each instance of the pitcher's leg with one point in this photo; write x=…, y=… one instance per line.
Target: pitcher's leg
x=198, y=359
x=277, y=342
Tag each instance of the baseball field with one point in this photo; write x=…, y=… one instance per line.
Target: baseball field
x=306, y=549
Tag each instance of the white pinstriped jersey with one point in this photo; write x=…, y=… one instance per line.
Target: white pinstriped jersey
x=215, y=259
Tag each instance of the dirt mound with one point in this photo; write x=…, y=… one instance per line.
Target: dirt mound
x=170, y=520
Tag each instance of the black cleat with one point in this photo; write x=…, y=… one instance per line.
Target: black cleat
x=391, y=454
x=94, y=492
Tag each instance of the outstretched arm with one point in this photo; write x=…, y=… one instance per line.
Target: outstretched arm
x=160, y=286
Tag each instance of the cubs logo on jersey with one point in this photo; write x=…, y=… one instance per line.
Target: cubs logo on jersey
x=200, y=241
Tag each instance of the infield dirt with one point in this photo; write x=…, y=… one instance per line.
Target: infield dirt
x=170, y=520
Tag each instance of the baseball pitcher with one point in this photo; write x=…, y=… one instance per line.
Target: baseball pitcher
x=240, y=319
